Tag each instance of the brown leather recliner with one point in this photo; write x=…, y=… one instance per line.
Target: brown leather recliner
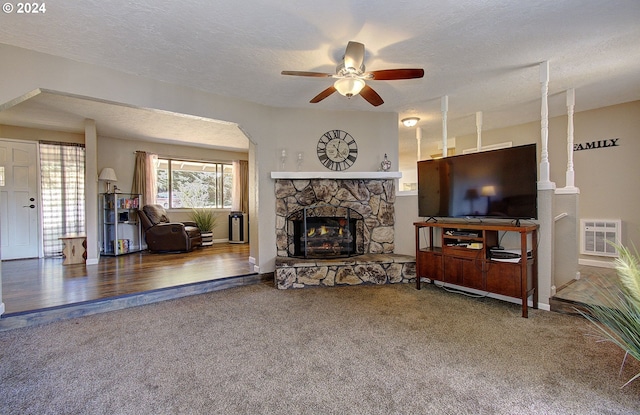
x=162, y=235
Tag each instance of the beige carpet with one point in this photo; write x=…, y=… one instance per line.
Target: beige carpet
x=355, y=350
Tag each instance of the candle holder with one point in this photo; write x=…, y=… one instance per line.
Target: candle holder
x=299, y=160
x=385, y=165
x=283, y=159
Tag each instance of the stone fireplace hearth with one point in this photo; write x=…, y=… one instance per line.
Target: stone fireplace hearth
x=373, y=199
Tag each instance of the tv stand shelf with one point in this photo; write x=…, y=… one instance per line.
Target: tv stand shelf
x=461, y=255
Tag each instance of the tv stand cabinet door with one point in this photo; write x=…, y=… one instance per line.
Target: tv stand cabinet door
x=464, y=272
x=429, y=266
x=453, y=272
x=473, y=275
x=504, y=279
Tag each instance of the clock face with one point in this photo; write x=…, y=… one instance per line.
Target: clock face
x=337, y=150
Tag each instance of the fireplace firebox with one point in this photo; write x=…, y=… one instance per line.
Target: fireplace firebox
x=325, y=231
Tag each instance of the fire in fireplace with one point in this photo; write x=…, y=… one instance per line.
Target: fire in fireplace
x=325, y=231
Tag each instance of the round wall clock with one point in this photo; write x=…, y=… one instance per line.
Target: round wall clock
x=337, y=150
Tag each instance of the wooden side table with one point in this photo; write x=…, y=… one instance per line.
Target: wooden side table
x=75, y=249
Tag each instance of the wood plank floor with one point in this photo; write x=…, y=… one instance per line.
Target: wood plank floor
x=35, y=284
x=586, y=290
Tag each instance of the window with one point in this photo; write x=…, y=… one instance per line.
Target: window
x=193, y=184
x=62, y=188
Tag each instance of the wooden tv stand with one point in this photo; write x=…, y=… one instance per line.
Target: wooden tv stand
x=461, y=255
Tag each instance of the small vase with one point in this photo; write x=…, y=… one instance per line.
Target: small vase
x=207, y=238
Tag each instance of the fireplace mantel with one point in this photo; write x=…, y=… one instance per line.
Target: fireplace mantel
x=336, y=175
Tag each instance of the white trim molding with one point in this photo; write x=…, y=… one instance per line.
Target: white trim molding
x=336, y=175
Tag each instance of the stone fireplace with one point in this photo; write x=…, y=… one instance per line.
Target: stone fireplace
x=368, y=201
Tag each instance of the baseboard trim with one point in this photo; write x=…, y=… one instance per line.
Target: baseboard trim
x=596, y=263
x=541, y=305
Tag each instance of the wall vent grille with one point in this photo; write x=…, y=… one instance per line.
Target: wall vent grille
x=597, y=236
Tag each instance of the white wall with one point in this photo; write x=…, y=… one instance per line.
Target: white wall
x=119, y=154
x=267, y=128
x=607, y=177
x=299, y=130
x=406, y=208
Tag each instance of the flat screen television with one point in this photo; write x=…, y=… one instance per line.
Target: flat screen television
x=490, y=184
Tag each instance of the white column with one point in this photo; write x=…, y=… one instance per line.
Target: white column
x=91, y=191
x=545, y=200
x=419, y=140
x=444, y=108
x=544, y=182
x=570, y=176
x=2, y=308
x=479, y=130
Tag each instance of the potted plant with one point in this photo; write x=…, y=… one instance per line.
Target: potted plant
x=205, y=221
x=617, y=318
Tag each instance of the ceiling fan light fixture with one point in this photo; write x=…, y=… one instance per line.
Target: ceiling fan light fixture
x=349, y=86
x=410, y=121
x=350, y=76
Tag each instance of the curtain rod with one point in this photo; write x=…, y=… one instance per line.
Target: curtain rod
x=61, y=143
x=177, y=158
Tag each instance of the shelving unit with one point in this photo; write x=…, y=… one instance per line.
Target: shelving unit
x=121, y=232
x=460, y=254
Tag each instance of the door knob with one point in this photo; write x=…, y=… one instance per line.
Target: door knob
x=30, y=206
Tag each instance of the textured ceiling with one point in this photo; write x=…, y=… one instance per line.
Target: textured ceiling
x=484, y=55
x=59, y=111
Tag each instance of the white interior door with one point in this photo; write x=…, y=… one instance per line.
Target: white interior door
x=19, y=206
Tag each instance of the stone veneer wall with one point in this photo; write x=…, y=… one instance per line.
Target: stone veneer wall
x=372, y=198
x=363, y=269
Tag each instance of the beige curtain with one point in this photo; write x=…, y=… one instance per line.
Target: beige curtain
x=144, y=177
x=240, y=186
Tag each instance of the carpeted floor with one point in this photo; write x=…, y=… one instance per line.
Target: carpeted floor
x=349, y=350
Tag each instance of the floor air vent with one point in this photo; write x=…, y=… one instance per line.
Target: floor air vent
x=597, y=236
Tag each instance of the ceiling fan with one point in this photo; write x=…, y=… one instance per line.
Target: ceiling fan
x=351, y=76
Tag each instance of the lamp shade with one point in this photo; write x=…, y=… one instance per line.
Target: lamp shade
x=349, y=86
x=471, y=194
x=488, y=191
x=108, y=175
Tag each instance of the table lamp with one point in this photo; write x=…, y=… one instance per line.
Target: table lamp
x=108, y=175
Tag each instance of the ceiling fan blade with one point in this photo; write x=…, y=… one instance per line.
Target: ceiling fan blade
x=372, y=96
x=322, y=95
x=392, y=74
x=303, y=73
x=354, y=55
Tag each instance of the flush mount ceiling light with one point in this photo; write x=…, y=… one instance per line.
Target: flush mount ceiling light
x=410, y=122
x=349, y=86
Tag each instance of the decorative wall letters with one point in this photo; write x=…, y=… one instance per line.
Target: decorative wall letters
x=609, y=142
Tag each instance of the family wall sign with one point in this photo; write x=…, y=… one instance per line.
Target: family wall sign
x=593, y=145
